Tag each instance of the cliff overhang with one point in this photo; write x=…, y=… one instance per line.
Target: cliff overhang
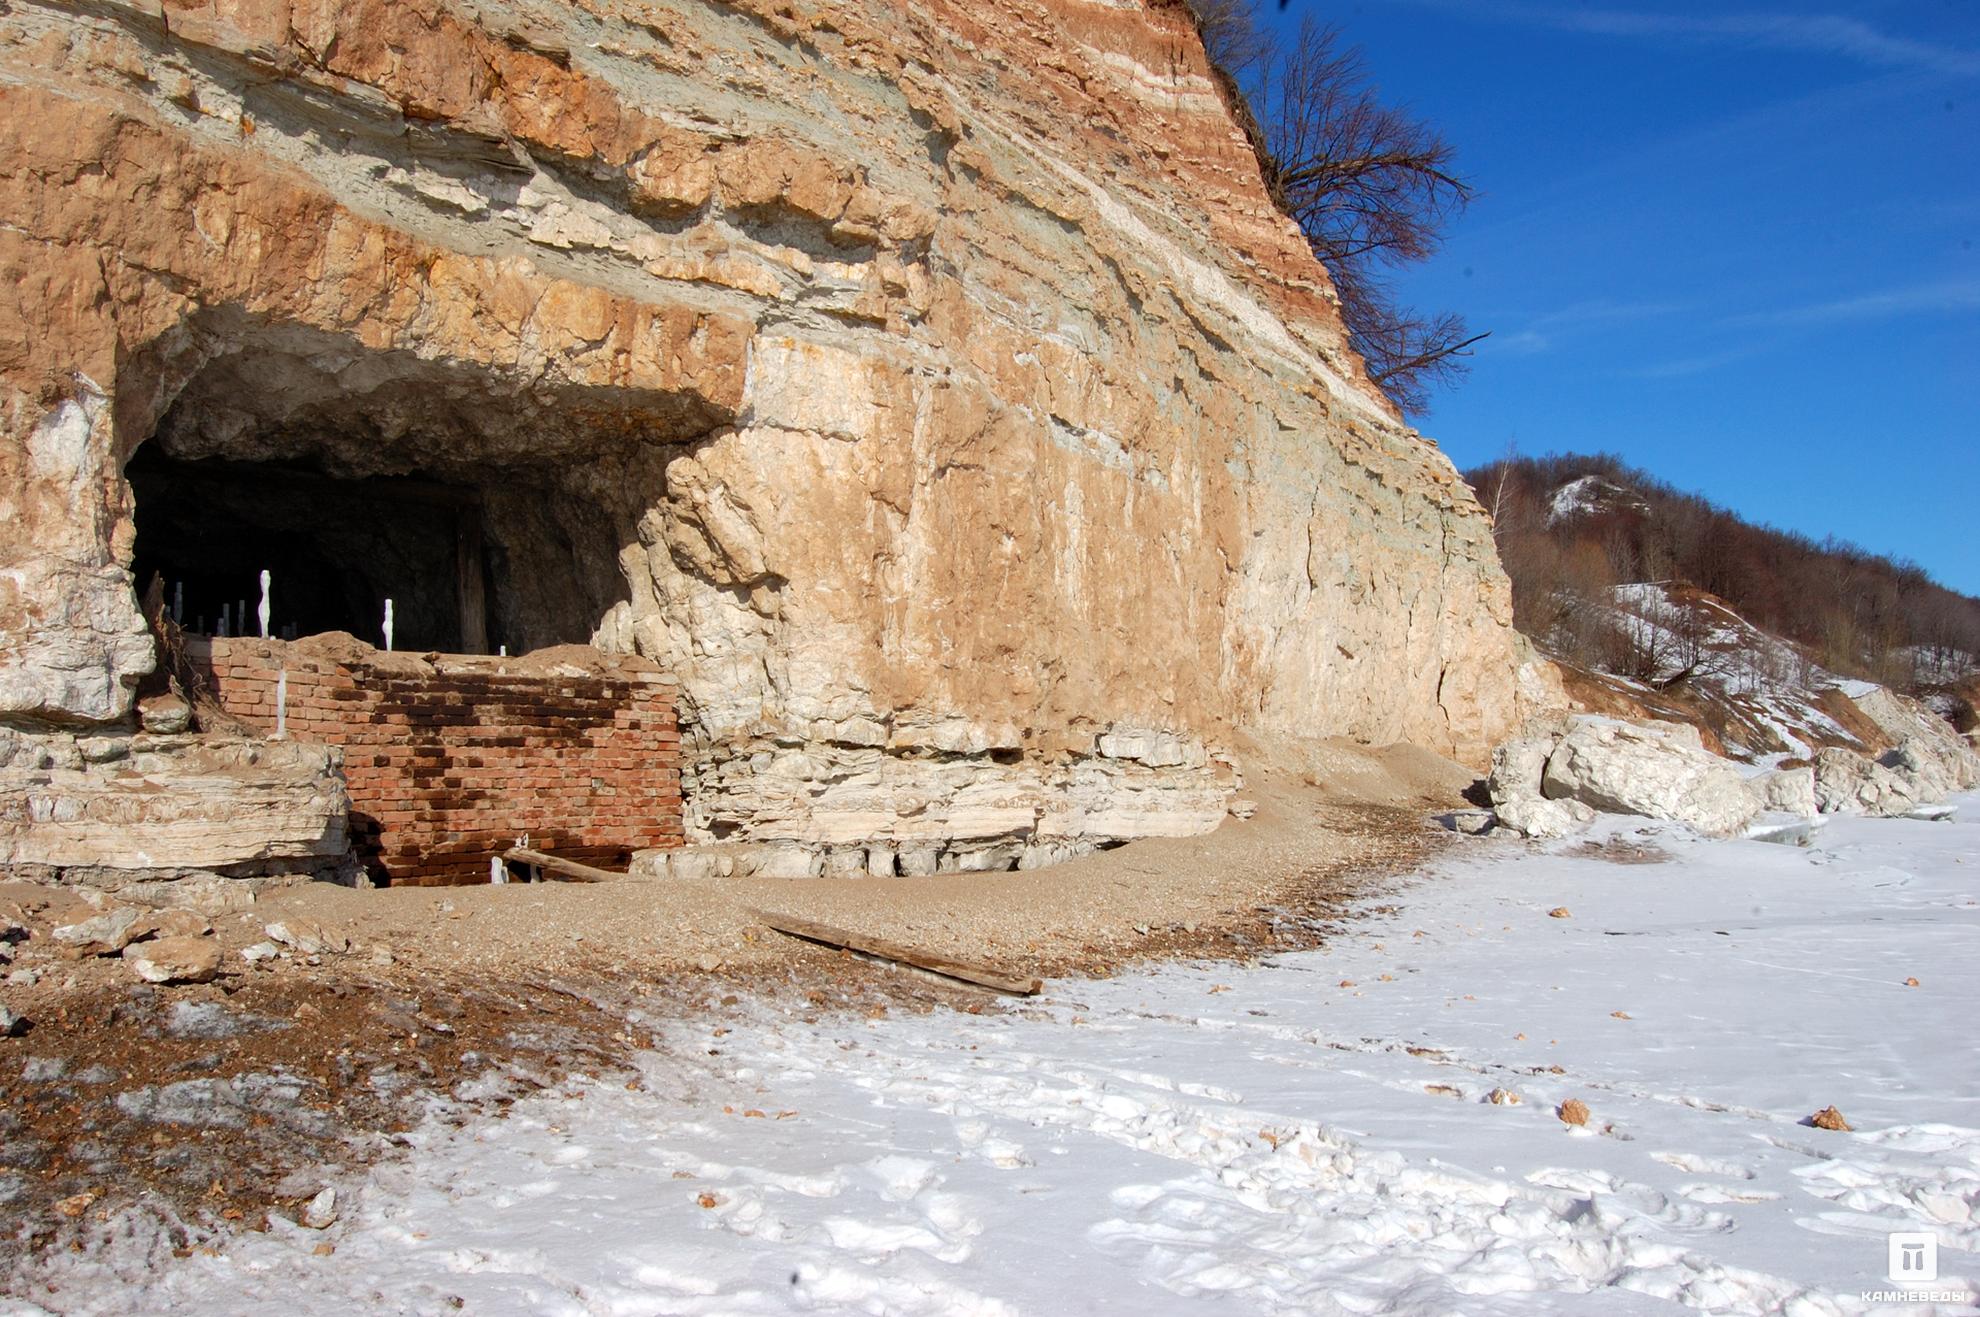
x=935, y=391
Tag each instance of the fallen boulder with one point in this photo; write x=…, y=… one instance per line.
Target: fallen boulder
x=308, y=937
x=1536, y=816
x=174, y=960
x=1555, y=778
x=1787, y=791
x=1848, y=783
x=170, y=923
x=100, y=935
x=1519, y=764
x=1658, y=770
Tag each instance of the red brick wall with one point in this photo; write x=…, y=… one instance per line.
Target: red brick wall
x=450, y=758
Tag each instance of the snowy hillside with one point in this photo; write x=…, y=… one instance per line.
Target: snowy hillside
x=1375, y=1127
x=1593, y=496
x=1572, y=527
x=1762, y=696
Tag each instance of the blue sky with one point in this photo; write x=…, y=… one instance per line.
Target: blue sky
x=1739, y=246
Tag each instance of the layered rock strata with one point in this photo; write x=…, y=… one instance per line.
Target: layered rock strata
x=106, y=806
x=932, y=387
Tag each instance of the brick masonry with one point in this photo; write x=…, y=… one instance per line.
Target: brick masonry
x=450, y=758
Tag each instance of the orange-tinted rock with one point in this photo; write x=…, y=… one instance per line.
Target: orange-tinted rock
x=957, y=391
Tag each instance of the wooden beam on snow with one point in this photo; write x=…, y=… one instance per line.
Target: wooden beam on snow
x=978, y=976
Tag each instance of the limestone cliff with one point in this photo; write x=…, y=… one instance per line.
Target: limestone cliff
x=932, y=387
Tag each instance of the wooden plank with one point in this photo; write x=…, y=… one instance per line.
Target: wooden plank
x=976, y=975
x=569, y=870
x=467, y=567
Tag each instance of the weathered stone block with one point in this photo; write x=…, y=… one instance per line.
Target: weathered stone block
x=178, y=803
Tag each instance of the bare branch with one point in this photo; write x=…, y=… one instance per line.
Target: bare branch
x=1370, y=187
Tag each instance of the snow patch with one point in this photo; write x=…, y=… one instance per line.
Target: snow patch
x=1316, y=1132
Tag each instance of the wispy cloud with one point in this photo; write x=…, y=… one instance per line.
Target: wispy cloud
x=1888, y=304
x=1535, y=334
x=1825, y=34
x=1520, y=343
x=1701, y=364
x=1929, y=299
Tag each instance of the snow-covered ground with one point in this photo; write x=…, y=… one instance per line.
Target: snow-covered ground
x=1309, y=1134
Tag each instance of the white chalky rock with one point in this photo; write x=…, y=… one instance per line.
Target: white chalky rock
x=1787, y=790
x=1657, y=770
x=1536, y=816
x=310, y=937
x=1927, y=768
x=1518, y=766
x=321, y=1211
x=99, y=935
x=1847, y=783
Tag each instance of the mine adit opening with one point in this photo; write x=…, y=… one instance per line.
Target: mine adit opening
x=493, y=512
x=495, y=509
x=335, y=551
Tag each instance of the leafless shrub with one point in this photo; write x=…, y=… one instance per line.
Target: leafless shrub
x=1371, y=187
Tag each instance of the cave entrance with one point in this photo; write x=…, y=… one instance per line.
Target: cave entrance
x=335, y=549
x=495, y=511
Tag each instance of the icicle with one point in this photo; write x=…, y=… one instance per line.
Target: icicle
x=179, y=602
x=281, y=697
x=388, y=624
x=222, y=632
x=498, y=872
x=262, y=612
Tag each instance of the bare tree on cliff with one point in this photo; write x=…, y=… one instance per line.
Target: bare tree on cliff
x=1370, y=187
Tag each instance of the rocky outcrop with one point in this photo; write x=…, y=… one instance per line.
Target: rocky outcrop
x=1923, y=770
x=106, y=806
x=1848, y=783
x=1556, y=778
x=1561, y=771
x=1927, y=761
x=1787, y=791
x=932, y=387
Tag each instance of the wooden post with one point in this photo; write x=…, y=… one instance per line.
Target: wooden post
x=467, y=565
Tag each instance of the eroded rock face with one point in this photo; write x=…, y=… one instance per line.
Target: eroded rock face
x=169, y=803
x=958, y=419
